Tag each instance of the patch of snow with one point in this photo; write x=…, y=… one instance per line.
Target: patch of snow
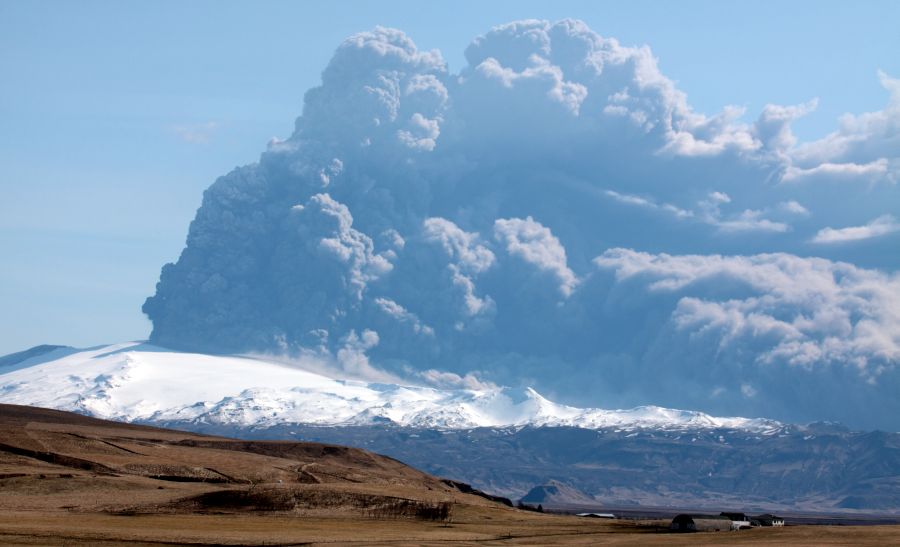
x=138, y=382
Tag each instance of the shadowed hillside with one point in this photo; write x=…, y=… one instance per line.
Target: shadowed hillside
x=52, y=459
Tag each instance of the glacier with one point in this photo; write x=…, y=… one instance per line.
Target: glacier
x=139, y=382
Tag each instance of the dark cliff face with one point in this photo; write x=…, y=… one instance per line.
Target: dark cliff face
x=820, y=469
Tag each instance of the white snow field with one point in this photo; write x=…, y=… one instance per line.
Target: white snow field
x=138, y=382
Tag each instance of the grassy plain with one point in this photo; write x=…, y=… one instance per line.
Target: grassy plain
x=70, y=480
x=470, y=526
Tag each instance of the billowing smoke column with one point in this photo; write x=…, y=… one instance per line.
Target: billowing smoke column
x=557, y=215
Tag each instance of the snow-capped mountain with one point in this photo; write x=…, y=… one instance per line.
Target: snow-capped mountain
x=139, y=382
x=489, y=437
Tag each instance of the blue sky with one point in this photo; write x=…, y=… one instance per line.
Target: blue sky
x=117, y=115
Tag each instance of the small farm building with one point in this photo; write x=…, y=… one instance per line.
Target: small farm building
x=701, y=523
x=738, y=520
x=767, y=520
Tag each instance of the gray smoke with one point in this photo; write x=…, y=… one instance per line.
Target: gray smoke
x=557, y=215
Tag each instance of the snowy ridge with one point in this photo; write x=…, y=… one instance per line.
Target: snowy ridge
x=138, y=382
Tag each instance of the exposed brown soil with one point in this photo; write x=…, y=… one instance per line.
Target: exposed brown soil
x=66, y=479
x=52, y=460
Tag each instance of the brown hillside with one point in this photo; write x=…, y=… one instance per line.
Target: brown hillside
x=52, y=459
x=67, y=479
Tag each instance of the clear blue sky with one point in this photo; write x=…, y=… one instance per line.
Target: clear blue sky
x=117, y=115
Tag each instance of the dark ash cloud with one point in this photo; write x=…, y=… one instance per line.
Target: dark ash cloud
x=557, y=214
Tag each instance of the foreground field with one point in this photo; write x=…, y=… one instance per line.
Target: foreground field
x=473, y=527
x=70, y=480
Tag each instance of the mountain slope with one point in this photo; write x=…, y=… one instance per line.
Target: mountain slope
x=67, y=479
x=500, y=440
x=555, y=493
x=810, y=468
x=50, y=459
x=138, y=382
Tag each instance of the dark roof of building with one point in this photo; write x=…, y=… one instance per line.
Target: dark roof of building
x=690, y=516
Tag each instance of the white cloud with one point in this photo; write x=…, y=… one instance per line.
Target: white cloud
x=748, y=390
x=773, y=127
x=330, y=225
x=333, y=169
x=701, y=136
x=198, y=133
x=630, y=199
x=709, y=212
x=533, y=242
x=793, y=207
x=593, y=83
x=748, y=220
x=470, y=258
x=450, y=380
x=865, y=146
x=353, y=361
x=402, y=315
x=883, y=225
x=464, y=247
x=422, y=133
x=379, y=91
x=839, y=171
x=800, y=311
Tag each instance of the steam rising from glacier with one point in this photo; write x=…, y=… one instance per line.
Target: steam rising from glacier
x=556, y=214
